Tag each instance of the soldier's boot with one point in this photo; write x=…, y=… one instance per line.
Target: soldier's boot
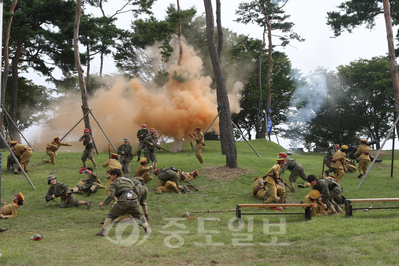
x=138, y=158
x=159, y=191
x=88, y=204
x=361, y=174
x=339, y=210
x=84, y=164
x=145, y=210
x=3, y=229
x=292, y=187
x=106, y=223
x=301, y=185
x=333, y=211
x=94, y=163
x=147, y=229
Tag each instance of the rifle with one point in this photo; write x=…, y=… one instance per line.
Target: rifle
x=69, y=192
x=188, y=180
x=162, y=148
x=345, y=169
x=152, y=165
x=282, y=181
x=109, y=151
x=203, y=144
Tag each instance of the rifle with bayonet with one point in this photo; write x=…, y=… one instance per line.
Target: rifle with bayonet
x=161, y=148
x=188, y=180
x=152, y=165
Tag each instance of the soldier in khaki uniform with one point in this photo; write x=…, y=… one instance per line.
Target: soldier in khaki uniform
x=318, y=208
x=89, y=148
x=338, y=162
x=128, y=203
x=294, y=167
x=52, y=147
x=126, y=153
x=142, y=170
x=363, y=152
x=89, y=185
x=328, y=157
x=23, y=153
x=112, y=163
x=58, y=189
x=190, y=175
x=141, y=135
x=258, y=189
x=331, y=192
x=11, y=210
x=168, y=180
x=270, y=179
x=199, y=138
x=150, y=151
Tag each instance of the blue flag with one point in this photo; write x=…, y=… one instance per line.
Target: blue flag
x=269, y=125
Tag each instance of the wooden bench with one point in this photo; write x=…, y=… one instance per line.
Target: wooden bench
x=308, y=209
x=349, y=208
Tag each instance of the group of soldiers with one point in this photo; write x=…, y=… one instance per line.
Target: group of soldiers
x=327, y=192
x=127, y=192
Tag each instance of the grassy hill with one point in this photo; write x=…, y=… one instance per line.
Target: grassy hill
x=368, y=238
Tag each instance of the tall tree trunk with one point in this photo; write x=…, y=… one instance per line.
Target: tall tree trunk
x=82, y=85
x=101, y=68
x=225, y=123
x=14, y=94
x=392, y=63
x=6, y=66
x=219, y=53
x=271, y=63
x=258, y=127
x=179, y=35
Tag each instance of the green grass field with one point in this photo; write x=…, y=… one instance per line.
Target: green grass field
x=368, y=238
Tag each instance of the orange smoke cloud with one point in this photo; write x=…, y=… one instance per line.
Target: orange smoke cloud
x=173, y=110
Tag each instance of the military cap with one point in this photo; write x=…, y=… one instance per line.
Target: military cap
x=344, y=147
x=156, y=171
x=281, y=160
x=314, y=194
x=115, y=155
x=49, y=178
x=13, y=142
x=195, y=173
x=56, y=138
x=198, y=128
x=86, y=130
x=282, y=155
x=143, y=160
x=336, y=145
x=126, y=139
x=37, y=237
x=20, y=196
x=82, y=170
x=144, y=126
x=154, y=132
x=363, y=140
x=152, y=129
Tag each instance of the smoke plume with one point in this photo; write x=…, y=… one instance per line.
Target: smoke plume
x=174, y=110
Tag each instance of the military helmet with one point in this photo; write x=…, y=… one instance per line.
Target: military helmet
x=49, y=178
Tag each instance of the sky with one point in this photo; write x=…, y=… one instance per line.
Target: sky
x=320, y=48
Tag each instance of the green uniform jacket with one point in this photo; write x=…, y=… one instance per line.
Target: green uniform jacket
x=148, y=140
x=324, y=185
x=59, y=188
x=363, y=152
x=142, y=190
x=118, y=186
x=143, y=131
x=167, y=174
x=128, y=156
x=88, y=141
